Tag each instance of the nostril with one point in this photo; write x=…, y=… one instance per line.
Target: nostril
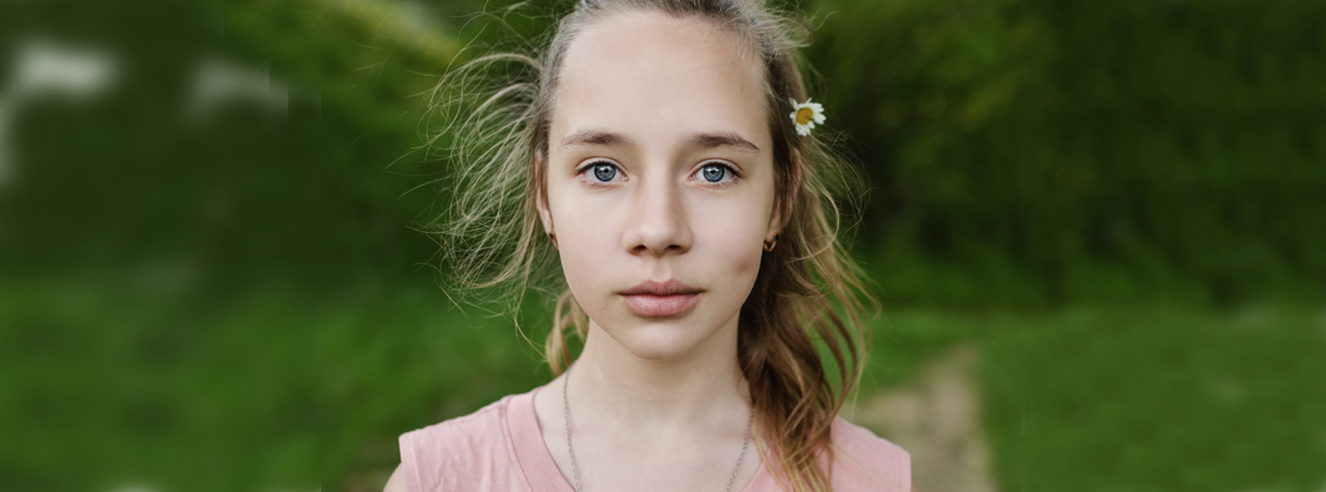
x=657, y=223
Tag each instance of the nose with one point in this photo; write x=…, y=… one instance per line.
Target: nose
x=658, y=222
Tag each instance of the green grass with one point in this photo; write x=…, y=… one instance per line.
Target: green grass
x=1136, y=397
x=269, y=386
x=277, y=385
x=1158, y=398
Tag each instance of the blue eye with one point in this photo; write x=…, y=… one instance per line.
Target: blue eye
x=714, y=173
x=604, y=172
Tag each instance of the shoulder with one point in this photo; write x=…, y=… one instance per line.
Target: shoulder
x=865, y=461
x=445, y=455
x=461, y=433
x=396, y=482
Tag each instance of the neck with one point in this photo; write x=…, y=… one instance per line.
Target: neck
x=705, y=386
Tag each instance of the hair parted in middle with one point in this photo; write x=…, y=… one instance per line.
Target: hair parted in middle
x=808, y=290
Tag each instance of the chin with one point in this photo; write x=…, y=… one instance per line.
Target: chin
x=659, y=341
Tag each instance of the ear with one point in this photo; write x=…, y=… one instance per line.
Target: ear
x=544, y=215
x=541, y=196
x=783, y=205
x=775, y=223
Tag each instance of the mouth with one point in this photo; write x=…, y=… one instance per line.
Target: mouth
x=652, y=299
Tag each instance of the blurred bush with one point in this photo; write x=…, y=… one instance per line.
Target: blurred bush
x=1086, y=150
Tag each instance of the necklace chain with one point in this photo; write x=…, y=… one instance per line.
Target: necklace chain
x=575, y=476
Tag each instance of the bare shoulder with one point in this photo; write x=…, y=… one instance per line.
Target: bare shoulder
x=397, y=482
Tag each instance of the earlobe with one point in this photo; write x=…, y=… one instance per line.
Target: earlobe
x=775, y=228
x=783, y=207
x=541, y=198
x=544, y=216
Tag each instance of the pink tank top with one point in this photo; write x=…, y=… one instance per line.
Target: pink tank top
x=500, y=448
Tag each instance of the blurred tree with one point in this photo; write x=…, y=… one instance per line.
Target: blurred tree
x=1115, y=150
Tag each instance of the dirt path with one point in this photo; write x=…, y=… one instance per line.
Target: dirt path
x=936, y=418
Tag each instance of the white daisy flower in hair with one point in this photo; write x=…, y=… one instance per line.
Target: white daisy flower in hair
x=806, y=115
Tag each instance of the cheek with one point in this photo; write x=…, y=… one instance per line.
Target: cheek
x=585, y=266
x=733, y=240
x=588, y=237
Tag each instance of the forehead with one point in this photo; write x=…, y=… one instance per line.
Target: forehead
x=653, y=76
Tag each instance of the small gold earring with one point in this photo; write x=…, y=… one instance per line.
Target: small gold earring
x=553, y=236
x=769, y=245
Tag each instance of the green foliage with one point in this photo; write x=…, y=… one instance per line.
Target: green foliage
x=377, y=61
x=1173, y=146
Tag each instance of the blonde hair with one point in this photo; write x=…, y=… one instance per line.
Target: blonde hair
x=808, y=295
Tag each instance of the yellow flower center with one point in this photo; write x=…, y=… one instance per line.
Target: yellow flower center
x=804, y=115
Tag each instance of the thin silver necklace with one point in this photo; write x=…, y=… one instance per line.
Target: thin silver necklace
x=575, y=477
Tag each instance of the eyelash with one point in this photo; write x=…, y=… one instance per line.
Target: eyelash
x=731, y=172
x=593, y=164
x=731, y=177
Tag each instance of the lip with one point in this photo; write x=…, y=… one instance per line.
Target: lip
x=653, y=299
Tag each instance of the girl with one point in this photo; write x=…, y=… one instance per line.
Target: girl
x=665, y=150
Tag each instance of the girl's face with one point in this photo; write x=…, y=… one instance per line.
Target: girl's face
x=660, y=180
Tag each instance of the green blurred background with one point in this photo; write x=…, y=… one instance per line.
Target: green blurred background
x=210, y=277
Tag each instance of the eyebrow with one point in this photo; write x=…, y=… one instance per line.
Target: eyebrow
x=722, y=139
x=596, y=137
x=701, y=140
